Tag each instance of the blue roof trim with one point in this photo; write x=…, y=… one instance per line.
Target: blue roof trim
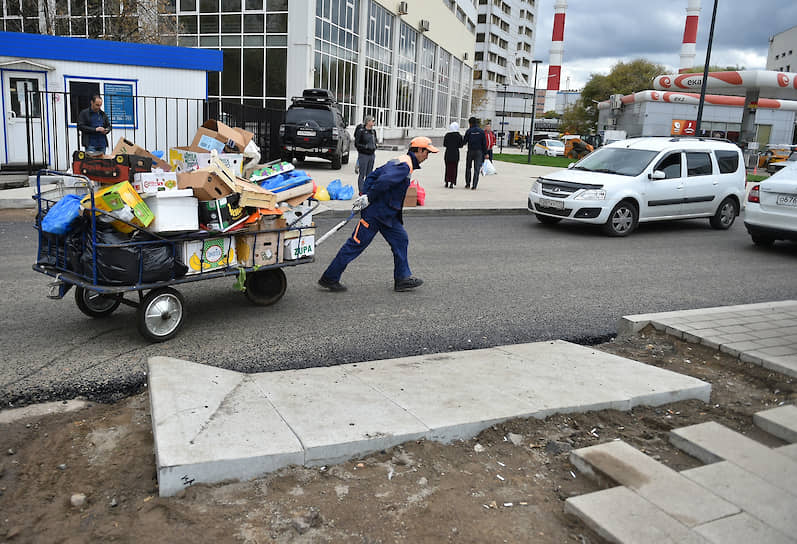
x=42, y=46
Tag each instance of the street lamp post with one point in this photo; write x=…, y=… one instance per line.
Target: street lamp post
x=503, y=122
x=705, y=72
x=523, y=130
x=533, y=109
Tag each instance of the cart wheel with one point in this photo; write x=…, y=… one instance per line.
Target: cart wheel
x=95, y=304
x=160, y=314
x=266, y=287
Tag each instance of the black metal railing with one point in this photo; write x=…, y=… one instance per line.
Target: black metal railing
x=152, y=122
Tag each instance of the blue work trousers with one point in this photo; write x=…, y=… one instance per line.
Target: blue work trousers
x=393, y=232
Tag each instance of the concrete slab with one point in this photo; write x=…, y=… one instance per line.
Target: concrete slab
x=752, y=494
x=674, y=494
x=780, y=422
x=741, y=529
x=337, y=416
x=789, y=451
x=620, y=515
x=711, y=442
x=211, y=425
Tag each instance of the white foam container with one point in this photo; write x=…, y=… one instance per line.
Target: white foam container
x=175, y=211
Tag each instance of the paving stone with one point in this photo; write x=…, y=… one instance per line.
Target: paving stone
x=622, y=516
x=741, y=528
x=779, y=351
x=756, y=496
x=674, y=494
x=780, y=422
x=711, y=442
x=785, y=365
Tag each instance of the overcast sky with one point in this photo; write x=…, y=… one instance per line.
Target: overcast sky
x=598, y=34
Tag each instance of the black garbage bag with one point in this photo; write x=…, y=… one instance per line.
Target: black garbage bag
x=119, y=265
x=63, y=252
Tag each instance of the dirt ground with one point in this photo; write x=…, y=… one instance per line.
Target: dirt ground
x=508, y=484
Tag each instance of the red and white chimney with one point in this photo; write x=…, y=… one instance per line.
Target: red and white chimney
x=690, y=36
x=555, y=57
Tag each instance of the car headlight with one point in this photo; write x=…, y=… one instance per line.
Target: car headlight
x=591, y=194
x=537, y=187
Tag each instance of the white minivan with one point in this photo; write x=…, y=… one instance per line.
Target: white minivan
x=645, y=179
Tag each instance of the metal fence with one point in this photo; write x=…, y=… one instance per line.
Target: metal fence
x=152, y=122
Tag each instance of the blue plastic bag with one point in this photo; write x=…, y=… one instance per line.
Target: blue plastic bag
x=285, y=181
x=334, y=188
x=59, y=219
x=346, y=192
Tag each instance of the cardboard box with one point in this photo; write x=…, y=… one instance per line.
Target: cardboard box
x=253, y=195
x=257, y=249
x=299, y=216
x=115, y=199
x=184, y=159
x=153, y=182
x=175, y=211
x=297, y=244
x=232, y=139
x=222, y=214
x=207, y=185
x=411, y=198
x=209, y=255
x=126, y=147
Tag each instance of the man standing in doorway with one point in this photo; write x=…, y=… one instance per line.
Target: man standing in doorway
x=477, y=151
x=491, y=139
x=95, y=126
x=365, y=143
x=384, y=192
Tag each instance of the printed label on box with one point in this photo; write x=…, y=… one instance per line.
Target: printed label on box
x=206, y=142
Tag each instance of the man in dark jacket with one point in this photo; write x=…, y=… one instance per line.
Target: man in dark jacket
x=477, y=152
x=385, y=188
x=365, y=142
x=94, y=125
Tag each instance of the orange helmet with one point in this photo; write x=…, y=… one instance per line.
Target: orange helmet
x=422, y=142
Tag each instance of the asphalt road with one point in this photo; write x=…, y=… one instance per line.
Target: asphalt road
x=490, y=280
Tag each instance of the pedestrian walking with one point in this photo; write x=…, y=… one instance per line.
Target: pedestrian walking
x=365, y=143
x=452, y=142
x=385, y=189
x=477, y=151
x=491, y=139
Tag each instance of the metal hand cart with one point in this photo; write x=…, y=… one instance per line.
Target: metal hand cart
x=73, y=261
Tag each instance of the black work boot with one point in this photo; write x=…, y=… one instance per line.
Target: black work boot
x=331, y=285
x=407, y=284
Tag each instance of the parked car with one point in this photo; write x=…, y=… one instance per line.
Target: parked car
x=645, y=179
x=771, y=211
x=314, y=127
x=774, y=166
x=551, y=148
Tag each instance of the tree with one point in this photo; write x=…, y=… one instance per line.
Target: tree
x=713, y=68
x=550, y=114
x=624, y=78
x=577, y=119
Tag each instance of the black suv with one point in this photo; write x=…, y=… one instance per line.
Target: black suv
x=314, y=127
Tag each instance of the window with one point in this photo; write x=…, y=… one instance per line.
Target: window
x=671, y=166
x=482, y=19
x=698, y=164
x=728, y=161
x=479, y=55
x=480, y=37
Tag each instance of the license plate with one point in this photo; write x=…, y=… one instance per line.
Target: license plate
x=305, y=132
x=787, y=200
x=549, y=203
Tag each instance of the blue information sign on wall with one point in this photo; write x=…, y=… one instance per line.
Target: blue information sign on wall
x=120, y=104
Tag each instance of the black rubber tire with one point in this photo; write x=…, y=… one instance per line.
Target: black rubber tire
x=547, y=219
x=172, y=312
x=762, y=241
x=95, y=304
x=266, y=287
x=725, y=215
x=345, y=159
x=623, y=220
x=300, y=157
x=336, y=162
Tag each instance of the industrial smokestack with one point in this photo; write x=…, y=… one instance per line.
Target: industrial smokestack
x=555, y=58
x=690, y=36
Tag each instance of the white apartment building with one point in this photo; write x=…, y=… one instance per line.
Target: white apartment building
x=782, y=55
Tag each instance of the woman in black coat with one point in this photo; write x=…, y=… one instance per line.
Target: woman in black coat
x=452, y=142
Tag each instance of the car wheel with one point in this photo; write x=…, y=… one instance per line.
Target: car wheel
x=547, y=219
x=345, y=159
x=762, y=241
x=725, y=216
x=623, y=220
x=300, y=157
x=336, y=162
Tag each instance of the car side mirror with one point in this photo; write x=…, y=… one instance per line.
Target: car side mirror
x=571, y=165
x=657, y=174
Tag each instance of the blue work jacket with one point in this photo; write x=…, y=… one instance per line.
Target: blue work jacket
x=386, y=188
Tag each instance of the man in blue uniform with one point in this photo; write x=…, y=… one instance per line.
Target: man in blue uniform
x=385, y=188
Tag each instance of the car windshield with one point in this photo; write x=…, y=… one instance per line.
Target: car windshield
x=312, y=116
x=554, y=143
x=615, y=160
